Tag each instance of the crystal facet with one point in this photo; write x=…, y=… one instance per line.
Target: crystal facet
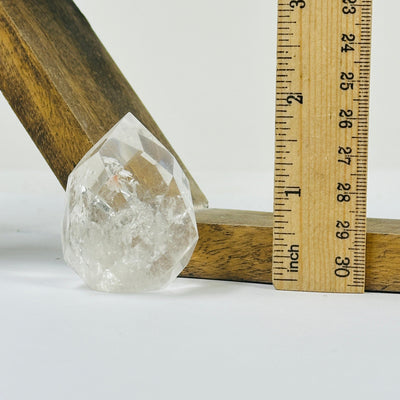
x=129, y=223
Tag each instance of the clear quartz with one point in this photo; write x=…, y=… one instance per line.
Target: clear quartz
x=129, y=223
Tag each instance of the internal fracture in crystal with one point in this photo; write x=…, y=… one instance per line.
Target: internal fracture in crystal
x=129, y=223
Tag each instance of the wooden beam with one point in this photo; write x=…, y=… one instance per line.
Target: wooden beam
x=63, y=85
x=237, y=245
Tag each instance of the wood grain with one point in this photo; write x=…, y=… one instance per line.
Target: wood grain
x=237, y=245
x=63, y=85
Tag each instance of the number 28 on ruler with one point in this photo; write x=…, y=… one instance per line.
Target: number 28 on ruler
x=322, y=97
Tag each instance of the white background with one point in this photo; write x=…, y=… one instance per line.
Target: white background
x=206, y=72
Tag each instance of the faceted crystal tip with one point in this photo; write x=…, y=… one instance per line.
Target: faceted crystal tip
x=129, y=223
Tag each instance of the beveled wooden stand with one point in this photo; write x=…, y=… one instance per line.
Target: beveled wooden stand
x=68, y=92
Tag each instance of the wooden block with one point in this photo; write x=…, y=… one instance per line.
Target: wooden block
x=237, y=245
x=62, y=83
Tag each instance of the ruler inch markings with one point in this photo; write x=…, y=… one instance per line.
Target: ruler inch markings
x=321, y=159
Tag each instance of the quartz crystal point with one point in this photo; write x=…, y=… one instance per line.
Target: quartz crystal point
x=129, y=223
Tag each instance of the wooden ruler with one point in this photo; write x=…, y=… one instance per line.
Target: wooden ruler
x=322, y=103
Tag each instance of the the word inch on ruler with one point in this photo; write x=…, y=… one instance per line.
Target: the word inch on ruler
x=322, y=105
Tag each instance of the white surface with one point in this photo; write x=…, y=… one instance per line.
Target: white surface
x=206, y=71
x=195, y=340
